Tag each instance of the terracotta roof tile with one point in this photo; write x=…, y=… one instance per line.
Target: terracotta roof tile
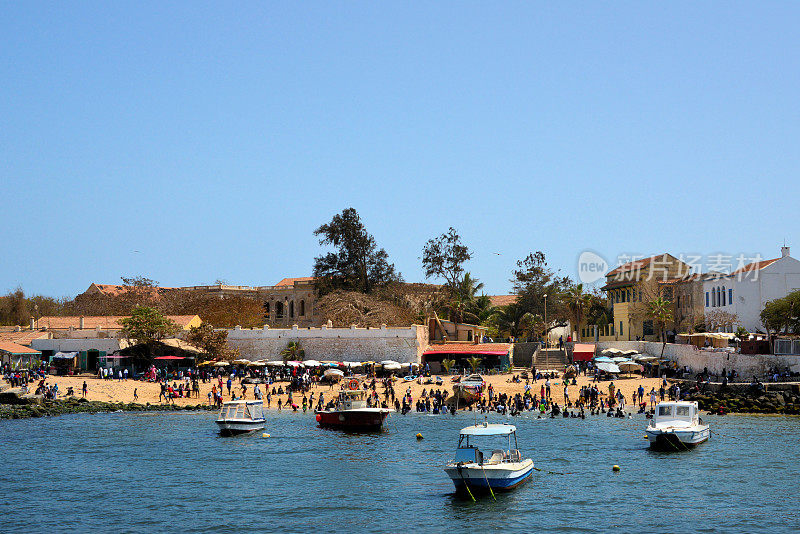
x=13, y=348
x=502, y=300
x=104, y=322
x=23, y=338
x=291, y=281
x=755, y=266
x=469, y=347
x=631, y=265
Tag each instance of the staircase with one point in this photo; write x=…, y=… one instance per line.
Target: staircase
x=550, y=360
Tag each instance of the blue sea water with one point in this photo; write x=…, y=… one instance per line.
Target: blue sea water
x=171, y=472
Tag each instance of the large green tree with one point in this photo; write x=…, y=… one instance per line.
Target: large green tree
x=513, y=320
x=357, y=264
x=532, y=280
x=782, y=314
x=444, y=257
x=145, y=326
x=212, y=342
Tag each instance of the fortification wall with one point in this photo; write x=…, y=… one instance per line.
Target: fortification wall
x=747, y=365
x=404, y=345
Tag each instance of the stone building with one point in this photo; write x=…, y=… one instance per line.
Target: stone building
x=291, y=301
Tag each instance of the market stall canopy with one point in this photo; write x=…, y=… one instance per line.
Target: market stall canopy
x=608, y=367
x=612, y=351
x=628, y=352
x=333, y=373
x=583, y=352
x=221, y=364
x=70, y=355
x=629, y=366
x=392, y=366
x=241, y=361
x=389, y=362
x=256, y=364
x=207, y=362
x=352, y=365
x=312, y=363
x=294, y=364
x=275, y=363
x=180, y=344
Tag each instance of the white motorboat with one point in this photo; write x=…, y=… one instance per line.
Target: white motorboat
x=502, y=470
x=677, y=426
x=237, y=417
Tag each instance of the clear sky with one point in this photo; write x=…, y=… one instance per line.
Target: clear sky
x=190, y=141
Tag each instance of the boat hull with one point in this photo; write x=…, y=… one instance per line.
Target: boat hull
x=232, y=428
x=479, y=479
x=362, y=419
x=671, y=440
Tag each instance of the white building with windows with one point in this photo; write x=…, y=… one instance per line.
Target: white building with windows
x=745, y=291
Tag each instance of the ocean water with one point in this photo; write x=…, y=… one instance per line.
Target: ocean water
x=134, y=472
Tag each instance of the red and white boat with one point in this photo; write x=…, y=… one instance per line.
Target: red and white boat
x=351, y=411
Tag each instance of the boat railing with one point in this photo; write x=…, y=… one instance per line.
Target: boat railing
x=514, y=455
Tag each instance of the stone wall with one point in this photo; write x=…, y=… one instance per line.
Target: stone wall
x=747, y=365
x=404, y=345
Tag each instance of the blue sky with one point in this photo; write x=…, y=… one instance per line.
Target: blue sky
x=195, y=141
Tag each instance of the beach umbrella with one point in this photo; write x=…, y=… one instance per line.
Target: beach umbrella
x=275, y=363
x=294, y=364
x=203, y=364
x=333, y=374
x=256, y=364
x=645, y=358
x=389, y=362
x=352, y=365
x=603, y=359
x=312, y=363
x=241, y=361
x=629, y=366
x=617, y=359
x=608, y=367
x=221, y=364
x=392, y=366
x=628, y=352
x=611, y=351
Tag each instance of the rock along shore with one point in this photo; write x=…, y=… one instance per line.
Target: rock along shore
x=774, y=399
x=24, y=407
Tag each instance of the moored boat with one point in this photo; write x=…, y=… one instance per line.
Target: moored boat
x=237, y=417
x=351, y=411
x=504, y=469
x=677, y=426
x=469, y=389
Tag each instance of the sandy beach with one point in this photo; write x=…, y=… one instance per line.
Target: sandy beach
x=148, y=392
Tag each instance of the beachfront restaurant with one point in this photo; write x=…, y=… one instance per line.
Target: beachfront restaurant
x=18, y=356
x=172, y=354
x=492, y=355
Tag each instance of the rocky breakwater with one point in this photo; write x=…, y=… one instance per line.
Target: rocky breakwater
x=13, y=405
x=766, y=399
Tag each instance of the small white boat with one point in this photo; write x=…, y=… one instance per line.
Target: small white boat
x=677, y=426
x=237, y=417
x=502, y=470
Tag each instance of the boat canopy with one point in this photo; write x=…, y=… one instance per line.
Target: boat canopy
x=488, y=430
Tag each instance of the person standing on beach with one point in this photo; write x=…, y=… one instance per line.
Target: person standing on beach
x=230, y=382
x=547, y=387
x=566, y=394
x=135, y=394
x=85, y=388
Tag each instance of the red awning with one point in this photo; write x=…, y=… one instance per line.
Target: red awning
x=465, y=353
x=583, y=352
x=169, y=358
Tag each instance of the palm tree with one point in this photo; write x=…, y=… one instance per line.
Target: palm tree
x=513, y=320
x=447, y=365
x=293, y=351
x=578, y=302
x=660, y=310
x=474, y=362
x=461, y=305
